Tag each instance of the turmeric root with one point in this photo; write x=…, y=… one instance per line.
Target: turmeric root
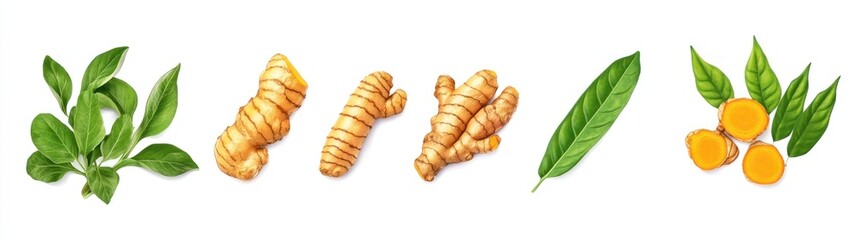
x=763, y=164
x=710, y=149
x=465, y=124
x=241, y=149
x=742, y=118
x=370, y=100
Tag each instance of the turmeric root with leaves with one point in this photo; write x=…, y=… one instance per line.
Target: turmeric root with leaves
x=763, y=163
x=370, y=100
x=710, y=149
x=742, y=118
x=466, y=122
x=241, y=149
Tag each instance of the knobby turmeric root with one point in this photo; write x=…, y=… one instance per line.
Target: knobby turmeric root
x=241, y=149
x=370, y=100
x=763, y=163
x=466, y=121
x=742, y=118
x=710, y=149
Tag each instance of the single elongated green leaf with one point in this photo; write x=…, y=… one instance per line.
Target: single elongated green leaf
x=103, y=67
x=813, y=122
x=53, y=139
x=94, y=155
x=166, y=159
x=107, y=103
x=119, y=140
x=161, y=105
x=58, y=80
x=791, y=106
x=102, y=182
x=71, y=115
x=121, y=96
x=86, y=191
x=590, y=117
x=40, y=168
x=711, y=82
x=88, y=124
x=761, y=81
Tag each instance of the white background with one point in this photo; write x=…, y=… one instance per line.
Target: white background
x=638, y=181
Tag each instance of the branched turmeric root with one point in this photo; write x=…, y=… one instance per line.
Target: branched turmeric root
x=241, y=149
x=465, y=123
x=370, y=100
x=710, y=149
x=743, y=118
x=763, y=163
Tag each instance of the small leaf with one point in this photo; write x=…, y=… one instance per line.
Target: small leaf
x=813, y=122
x=161, y=105
x=40, y=168
x=88, y=123
x=761, y=81
x=53, y=139
x=102, y=181
x=166, y=159
x=791, y=106
x=71, y=115
x=58, y=81
x=711, y=82
x=103, y=68
x=107, y=103
x=119, y=140
x=86, y=191
x=94, y=154
x=590, y=117
x=121, y=95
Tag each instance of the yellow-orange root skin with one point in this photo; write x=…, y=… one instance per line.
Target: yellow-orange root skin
x=763, y=163
x=710, y=149
x=743, y=118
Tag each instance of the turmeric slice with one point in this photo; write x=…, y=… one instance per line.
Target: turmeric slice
x=710, y=149
x=466, y=122
x=241, y=149
x=742, y=118
x=370, y=100
x=763, y=163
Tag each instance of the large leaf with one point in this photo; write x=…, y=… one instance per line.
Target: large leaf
x=102, y=182
x=119, y=140
x=791, y=106
x=58, y=80
x=88, y=123
x=121, y=95
x=103, y=68
x=590, y=117
x=161, y=105
x=813, y=122
x=166, y=159
x=40, y=168
x=761, y=81
x=711, y=82
x=53, y=139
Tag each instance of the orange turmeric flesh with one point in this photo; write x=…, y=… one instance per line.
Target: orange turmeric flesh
x=710, y=149
x=742, y=118
x=763, y=164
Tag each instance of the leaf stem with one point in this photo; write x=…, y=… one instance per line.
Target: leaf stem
x=538, y=184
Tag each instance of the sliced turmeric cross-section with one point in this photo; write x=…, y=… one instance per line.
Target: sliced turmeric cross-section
x=710, y=149
x=763, y=163
x=743, y=118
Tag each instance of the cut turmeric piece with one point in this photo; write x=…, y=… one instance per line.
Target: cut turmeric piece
x=370, y=100
x=710, y=149
x=763, y=163
x=742, y=118
x=241, y=149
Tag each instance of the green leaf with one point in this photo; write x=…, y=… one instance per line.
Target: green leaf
x=94, y=154
x=40, y=168
x=53, y=139
x=590, y=117
x=161, y=105
x=102, y=181
x=166, y=159
x=86, y=191
x=121, y=96
x=107, y=103
x=103, y=68
x=813, y=122
x=761, y=81
x=88, y=124
x=711, y=82
x=791, y=106
x=58, y=81
x=71, y=115
x=119, y=140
